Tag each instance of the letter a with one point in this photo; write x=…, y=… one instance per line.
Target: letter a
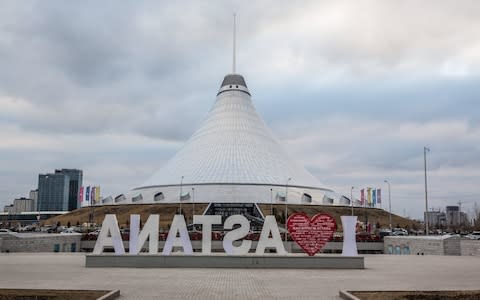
x=270, y=226
x=178, y=226
x=109, y=236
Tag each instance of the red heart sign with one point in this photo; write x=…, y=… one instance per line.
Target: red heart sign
x=311, y=234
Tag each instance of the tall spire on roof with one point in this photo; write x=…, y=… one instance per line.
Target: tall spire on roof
x=234, y=41
x=233, y=156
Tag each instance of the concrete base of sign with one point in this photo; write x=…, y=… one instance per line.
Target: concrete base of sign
x=292, y=261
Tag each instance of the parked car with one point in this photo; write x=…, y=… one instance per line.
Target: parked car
x=5, y=231
x=474, y=235
x=453, y=235
x=385, y=232
x=399, y=231
x=26, y=228
x=68, y=230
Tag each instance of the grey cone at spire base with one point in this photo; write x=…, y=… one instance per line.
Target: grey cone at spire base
x=233, y=82
x=232, y=158
x=233, y=79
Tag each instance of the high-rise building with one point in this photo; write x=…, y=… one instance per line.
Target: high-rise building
x=34, y=196
x=74, y=186
x=59, y=191
x=53, y=192
x=9, y=209
x=22, y=205
x=453, y=215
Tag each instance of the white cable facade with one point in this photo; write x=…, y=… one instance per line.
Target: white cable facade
x=233, y=157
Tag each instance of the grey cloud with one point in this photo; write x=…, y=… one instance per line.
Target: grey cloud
x=97, y=70
x=342, y=153
x=374, y=39
x=413, y=100
x=151, y=69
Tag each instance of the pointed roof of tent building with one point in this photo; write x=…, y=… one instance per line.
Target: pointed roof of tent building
x=234, y=146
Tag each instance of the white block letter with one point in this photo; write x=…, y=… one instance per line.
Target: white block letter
x=138, y=238
x=207, y=222
x=236, y=234
x=109, y=236
x=349, y=238
x=178, y=227
x=270, y=226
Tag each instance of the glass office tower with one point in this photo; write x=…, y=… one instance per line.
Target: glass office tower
x=59, y=191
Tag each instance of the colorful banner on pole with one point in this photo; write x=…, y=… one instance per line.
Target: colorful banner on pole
x=362, y=196
x=379, y=196
x=374, y=197
x=369, y=196
x=97, y=194
x=92, y=194
x=80, y=195
x=87, y=194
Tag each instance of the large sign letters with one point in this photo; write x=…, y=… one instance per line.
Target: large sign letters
x=311, y=234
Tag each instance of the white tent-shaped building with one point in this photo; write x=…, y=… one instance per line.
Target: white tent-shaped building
x=232, y=158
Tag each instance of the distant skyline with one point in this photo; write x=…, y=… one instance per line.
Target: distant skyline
x=353, y=90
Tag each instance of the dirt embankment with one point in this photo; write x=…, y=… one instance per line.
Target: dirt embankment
x=167, y=211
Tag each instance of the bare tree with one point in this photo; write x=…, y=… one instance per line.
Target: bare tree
x=476, y=216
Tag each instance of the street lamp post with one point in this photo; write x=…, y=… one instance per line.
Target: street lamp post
x=351, y=198
x=92, y=212
x=286, y=206
x=193, y=203
x=425, y=149
x=271, y=201
x=180, y=196
x=389, y=204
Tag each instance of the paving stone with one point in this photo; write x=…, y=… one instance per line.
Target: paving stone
x=383, y=272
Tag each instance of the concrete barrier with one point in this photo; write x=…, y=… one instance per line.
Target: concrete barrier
x=470, y=247
x=291, y=247
x=431, y=245
x=327, y=261
x=40, y=242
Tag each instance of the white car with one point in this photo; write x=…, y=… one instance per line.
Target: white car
x=474, y=235
x=5, y=231
x=399, y=231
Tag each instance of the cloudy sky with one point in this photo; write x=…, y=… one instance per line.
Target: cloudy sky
x=354, y=90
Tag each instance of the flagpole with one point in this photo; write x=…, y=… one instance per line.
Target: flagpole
x=180, y=198
x=389, y=204
x=271, y=201
x=425, y=149
x=364, y=199
x=193, y=202
x=286, y=207
x=369, y=199
x=90, y=218
x=351, y=198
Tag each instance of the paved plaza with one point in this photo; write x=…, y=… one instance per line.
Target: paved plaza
x=383, y=272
